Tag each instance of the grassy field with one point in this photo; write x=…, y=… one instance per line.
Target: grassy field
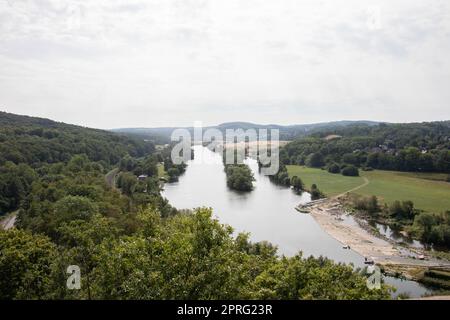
x=427, y=194
x=330, y=184
x=161, y=172
x=427, y=191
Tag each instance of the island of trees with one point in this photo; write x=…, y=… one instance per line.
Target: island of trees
x=239, y=177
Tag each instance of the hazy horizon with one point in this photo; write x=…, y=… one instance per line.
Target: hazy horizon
x=225, y=122
x=168, y=63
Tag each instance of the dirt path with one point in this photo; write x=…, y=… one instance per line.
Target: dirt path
x=366, y=182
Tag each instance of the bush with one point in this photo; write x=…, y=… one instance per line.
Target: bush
x=281, y=177
x=297, y=183
x=316, y=193
x=402, y=210
x=369, y=204
x=315, y=160
x=351, y=171
x=334, y=168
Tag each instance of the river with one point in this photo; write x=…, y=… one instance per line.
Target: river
x=267, y=213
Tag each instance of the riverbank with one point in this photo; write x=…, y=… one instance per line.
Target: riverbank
x=394, y=259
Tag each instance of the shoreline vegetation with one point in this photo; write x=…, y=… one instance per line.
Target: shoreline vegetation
x=415, y=192
x=430, y=226
x=393, y=258
x=396, y=259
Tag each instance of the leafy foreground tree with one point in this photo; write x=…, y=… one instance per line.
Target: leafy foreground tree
x=189, y=255
x=25, y=264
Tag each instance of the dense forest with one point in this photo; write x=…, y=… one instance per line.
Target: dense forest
x=27, y=144
x=421, y=147
x=128, y=241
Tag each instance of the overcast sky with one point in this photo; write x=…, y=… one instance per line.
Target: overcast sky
x=130, y=63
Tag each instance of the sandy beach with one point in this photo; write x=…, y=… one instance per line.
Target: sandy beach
x=329, y=212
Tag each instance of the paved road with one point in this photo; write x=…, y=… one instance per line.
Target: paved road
x=110, y=178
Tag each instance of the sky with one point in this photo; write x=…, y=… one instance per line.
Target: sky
x=150, y=63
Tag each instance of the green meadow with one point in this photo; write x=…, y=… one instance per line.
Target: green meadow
x=428, y=191
x=161, y=172
x=330, y=184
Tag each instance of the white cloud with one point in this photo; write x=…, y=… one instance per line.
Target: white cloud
x=169, y=62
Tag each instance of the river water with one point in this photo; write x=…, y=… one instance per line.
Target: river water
x=267, y=213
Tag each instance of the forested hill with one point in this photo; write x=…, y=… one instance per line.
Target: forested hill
x=35, y=141
x=405, y=147
x=288, y=132
x=29, y=145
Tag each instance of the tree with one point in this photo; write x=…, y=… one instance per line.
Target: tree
x=173, y=174
x=312, y=278
x=316, y=193
x=74, y=208
x=25, y=264
x=127, y=163
x=403, y=210
x=372, y=204
x=297, y=183
x=350, y=158
x=127, y=183
x=433, y=228
x=15, y=184
x=350, y=170
x=315, y=160
x=281, y=177
x=334, y=168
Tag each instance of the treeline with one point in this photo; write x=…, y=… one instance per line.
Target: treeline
x=27, y=144
x=35, y=141
x=429, y=227
x=282, y=178
x=174, y=171
x=404, y=147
